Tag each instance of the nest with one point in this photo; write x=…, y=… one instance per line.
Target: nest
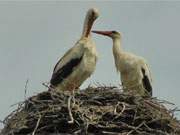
x=101, y=110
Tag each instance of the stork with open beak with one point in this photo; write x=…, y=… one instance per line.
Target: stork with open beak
x=78, y=63
x=134, y=70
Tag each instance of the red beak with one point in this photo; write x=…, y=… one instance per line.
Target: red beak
x=106, y=33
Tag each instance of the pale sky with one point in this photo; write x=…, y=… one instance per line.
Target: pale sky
x=34, y=35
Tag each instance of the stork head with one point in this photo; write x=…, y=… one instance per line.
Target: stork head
x=91, y=16
x=113, y=34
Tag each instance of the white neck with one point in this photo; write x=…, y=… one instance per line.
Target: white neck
x=117, y=50
x=87, y=26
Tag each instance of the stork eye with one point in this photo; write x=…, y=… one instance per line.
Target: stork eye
x=114, y=32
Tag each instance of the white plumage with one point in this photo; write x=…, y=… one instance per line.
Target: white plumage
x=79, y=62
x=134, y=70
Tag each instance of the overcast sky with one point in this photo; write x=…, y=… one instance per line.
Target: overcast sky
x=34, y=35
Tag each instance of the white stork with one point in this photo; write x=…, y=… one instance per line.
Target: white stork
x=78, y=63
x=135, y=73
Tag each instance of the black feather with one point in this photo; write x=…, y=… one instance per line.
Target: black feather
x=146, y=82
x=65, y=71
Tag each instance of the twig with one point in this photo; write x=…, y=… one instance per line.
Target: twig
x=154, y=130
x=25, y=88
x=163, y=101
x=176, y=109
x=1, y=121
x=136, y=128
x=37, y=124
x=46, y=85
x=123, y=109
x=155, y=105
x=18, y=103
x=115, y=109
x=110, y=133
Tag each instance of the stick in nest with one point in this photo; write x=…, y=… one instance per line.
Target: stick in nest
x=135, y=129
x=46, y=85
x=123, y=109
x=37, y=124
x=2, y=122
x=25, y=88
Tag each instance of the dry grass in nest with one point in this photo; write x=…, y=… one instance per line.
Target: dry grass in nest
x=101, y=110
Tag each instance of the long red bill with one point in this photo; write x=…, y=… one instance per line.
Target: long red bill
x=106, y=33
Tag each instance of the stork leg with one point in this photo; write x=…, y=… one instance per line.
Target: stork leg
x=71, y=96
x=73, y=99
x=69, y=109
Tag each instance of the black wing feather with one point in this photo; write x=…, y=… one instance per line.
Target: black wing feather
x=64, y=71
x=146, y=82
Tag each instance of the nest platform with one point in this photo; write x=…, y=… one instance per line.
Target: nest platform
x=96, y=111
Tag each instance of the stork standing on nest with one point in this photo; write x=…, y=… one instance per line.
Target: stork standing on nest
x=135, y=73
x=79, y=62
